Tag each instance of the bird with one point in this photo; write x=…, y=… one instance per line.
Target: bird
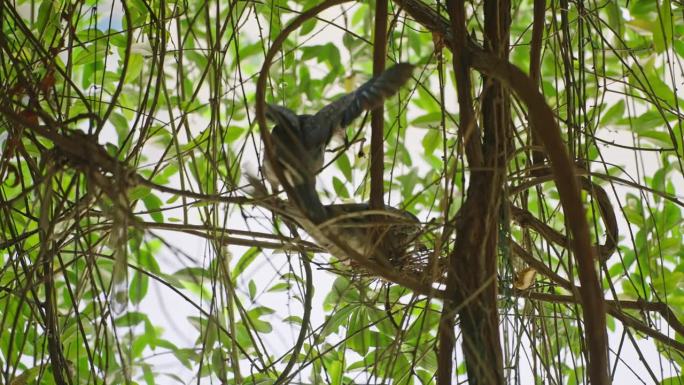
x=300, y=140
x=387, y=234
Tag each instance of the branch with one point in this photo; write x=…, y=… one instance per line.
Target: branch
x=545, y=125
x=377, y=152
x=248, y=238
x=306, y=319
x=527, y=219
x=614, y=308
x=535, y=65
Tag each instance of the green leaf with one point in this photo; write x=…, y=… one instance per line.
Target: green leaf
x=90, y=54
x=358, y=335
x=431, y=140
x=642, y=8
x=307, y=27
x=429, y=120
x=345, y=166
x=293, y=319
x=280, y=287
x=255, y=319
x=135, y=67
x=233, y=133
x=148, y=374
x=615, y=112
x=153, y=205
x=678, y=380
x=335, y=369
x=163, y=176
x=139, y=344
x=139, y=192
x=138, y=287
x=679, y=47
x=662, y=28
x=326, y=53
x=337, y=319
x=131, y=318
x=247, y=258
x=120, y=124
x=340, y=188
x=660, y=139
x=48, y=19
x=247, y=50
x=252, y=289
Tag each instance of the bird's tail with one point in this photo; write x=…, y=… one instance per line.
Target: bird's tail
x=308, y=201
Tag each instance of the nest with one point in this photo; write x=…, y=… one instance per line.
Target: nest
x=393, y=238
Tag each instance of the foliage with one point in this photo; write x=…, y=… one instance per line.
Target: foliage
x=134, y=249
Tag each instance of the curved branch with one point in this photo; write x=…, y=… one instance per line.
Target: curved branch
x=260, y=94
x=306, y=318
x=527, y=219
x=614, y=309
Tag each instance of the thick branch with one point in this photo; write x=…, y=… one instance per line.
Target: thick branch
x=615, y=308
x=472, y=265
x=377, y=158
x=535, y=64
x=473, y=150
x=545, y=125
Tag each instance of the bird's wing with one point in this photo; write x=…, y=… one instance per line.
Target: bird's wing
x=281, y=115
x=286, y=137
x=340, y=113
x=320, y=128
x=374, y=92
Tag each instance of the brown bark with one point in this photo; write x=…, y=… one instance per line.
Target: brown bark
x=456, y=288
x=377, y=158
x=471, y=277
x=543, y=121
x=545, y=126
x=535, y=66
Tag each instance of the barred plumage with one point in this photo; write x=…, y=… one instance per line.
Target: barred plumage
x=300, y=140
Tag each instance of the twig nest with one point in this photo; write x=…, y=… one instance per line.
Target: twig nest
x=389, y=237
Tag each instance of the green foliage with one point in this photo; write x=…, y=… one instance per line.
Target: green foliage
x=216, y=284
